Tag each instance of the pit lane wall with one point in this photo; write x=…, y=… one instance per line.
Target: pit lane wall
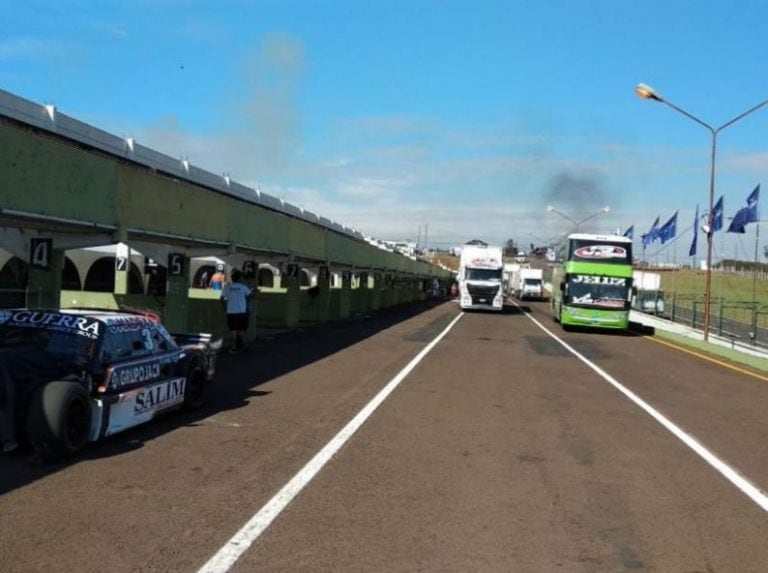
x=270, y=308
x=76, y=186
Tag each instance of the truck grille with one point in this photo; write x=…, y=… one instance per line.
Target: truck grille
x=482, y=294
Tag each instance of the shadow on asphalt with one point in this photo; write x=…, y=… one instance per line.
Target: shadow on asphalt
x=506, y=309
x=520, y=309
x=635, y=329
x=641, y=329
x=236, y=383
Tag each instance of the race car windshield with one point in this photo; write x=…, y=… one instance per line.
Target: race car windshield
x=63, y=347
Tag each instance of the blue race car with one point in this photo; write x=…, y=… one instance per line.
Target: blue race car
x=68, y=377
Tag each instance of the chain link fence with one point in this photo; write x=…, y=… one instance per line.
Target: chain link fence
x=745, y=322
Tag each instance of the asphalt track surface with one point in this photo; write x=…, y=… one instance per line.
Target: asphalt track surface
x=499, y=451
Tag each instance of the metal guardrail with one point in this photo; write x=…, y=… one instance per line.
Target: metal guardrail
x=689, y=310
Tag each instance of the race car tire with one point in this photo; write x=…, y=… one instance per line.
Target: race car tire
x=195, y=392
x=59, y=421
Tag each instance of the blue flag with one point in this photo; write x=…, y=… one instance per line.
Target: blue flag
x=717, y=215
x=668, y=230
x=747, y=214
x=630, y=233
x=692, y=250
x=652, y=234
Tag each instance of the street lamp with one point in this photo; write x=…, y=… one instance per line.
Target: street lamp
x=647, y=92
x=551, y=209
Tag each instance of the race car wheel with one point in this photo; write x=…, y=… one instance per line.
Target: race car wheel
x=59, y=420
x=195, y=390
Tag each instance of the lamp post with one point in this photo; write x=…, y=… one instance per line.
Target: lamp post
x=647, y=92
x=551, y=209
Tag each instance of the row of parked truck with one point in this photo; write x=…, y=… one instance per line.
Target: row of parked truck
x=484, y=280
x=523, y=282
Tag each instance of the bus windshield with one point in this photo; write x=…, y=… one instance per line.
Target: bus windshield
x=591, y=290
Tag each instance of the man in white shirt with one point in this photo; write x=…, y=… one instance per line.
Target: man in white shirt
x=236, y=295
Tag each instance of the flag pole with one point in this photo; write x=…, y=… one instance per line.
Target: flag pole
x=722, y=267
x=754, y=274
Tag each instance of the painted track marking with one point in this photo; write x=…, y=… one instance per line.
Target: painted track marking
x=725, y=470
x=708, y=358
x=233, y=549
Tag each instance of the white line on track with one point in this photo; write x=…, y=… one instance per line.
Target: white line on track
x=226, y=557
x=727, y=471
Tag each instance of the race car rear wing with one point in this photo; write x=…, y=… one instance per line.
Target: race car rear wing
x=204, y=342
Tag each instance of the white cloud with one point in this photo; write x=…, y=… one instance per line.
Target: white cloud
x=338, y=163
x=111, y=30
x=28, y=49
x=372, y=188
x=754, y=163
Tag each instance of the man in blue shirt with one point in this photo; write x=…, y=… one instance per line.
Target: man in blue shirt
x=236, y=296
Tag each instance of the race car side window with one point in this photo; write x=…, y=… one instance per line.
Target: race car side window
x=141, y=342
x=120, y=346
x=116, y=346
x=168, y=342
x=160, y=344
x=147, y=340
x=136, y=339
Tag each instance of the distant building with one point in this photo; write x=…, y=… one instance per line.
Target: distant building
x=407, y=248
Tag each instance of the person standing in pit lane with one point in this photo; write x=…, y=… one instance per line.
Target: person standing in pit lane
x=218, y=279
x=235, y=297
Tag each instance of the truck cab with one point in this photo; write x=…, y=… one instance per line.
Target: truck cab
x=480, y=277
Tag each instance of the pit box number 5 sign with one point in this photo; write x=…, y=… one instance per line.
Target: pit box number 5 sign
x=175, y=264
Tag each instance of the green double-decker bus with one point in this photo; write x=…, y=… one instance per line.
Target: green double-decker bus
x=593, y=286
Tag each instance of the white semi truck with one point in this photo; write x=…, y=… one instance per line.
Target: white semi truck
x=480, y=277
x=648, y=295
x=507, y=277
x=528, y=283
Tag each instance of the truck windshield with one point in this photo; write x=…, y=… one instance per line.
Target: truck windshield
x=532, y=282
x=62, y=347
x=483, y=274
x=588, y=290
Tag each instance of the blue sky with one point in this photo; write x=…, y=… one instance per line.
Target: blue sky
x=468, y=117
